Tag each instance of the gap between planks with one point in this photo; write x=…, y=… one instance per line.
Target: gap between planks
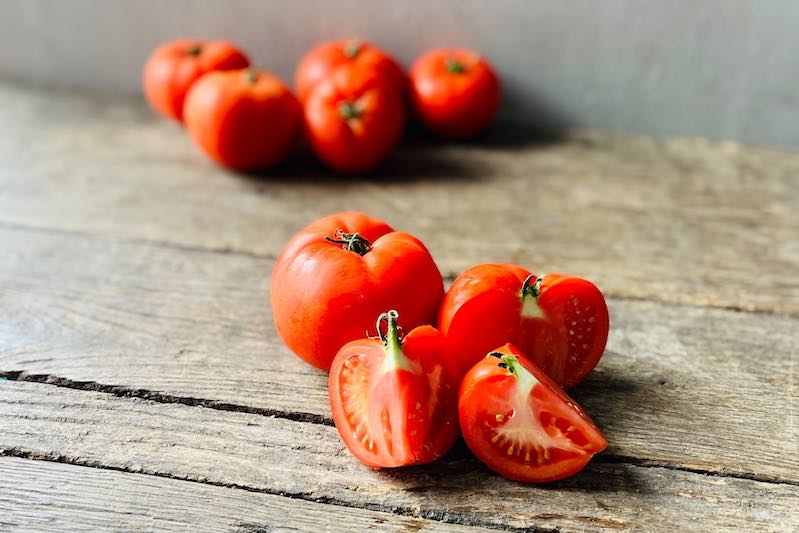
x=311, y=418
x=449, y=277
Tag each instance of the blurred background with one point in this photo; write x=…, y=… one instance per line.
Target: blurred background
x=722, y=69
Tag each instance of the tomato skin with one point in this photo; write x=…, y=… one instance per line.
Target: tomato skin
x=243, y=119
x=395, y=406
x=324, y=296
x=454, y=92
x=173, y=67
x=520, y=423
x=349, y=143
x=322, y=61
x=484, y=308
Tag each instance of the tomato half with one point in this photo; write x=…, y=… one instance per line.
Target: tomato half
x=243, y=119
x=395, y=403
x=560, y=322
x=173, y=67
x=455, y=93
x=323, y=60
x=335, y=276
x=520, y=423
x=352, y=119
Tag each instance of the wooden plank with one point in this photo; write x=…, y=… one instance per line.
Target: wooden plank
x=680, y=220
x=38, y=496
x=196, y=325
x=308, y=460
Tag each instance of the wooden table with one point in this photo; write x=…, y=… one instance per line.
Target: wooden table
x=145, y=387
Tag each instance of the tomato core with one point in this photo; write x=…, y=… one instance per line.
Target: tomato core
x=531, y=290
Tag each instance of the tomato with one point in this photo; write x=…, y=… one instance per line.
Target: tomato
x=353, y=119
x=395, y=403
x=455, y=93
x=340, y=272
x=323, y=60
x=243, y=119
x=520, y=423
x=173, y=67
x=560, y=322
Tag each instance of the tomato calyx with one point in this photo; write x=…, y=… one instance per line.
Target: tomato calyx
x=251, y=75
x=349, y=110
x=454, y=66
x=352, y=48
x=194, y=50
x=352, y=242
x=531, y=290
x=395, y=358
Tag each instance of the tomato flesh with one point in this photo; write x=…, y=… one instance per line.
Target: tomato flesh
x=521, y=424
x=395, y=405
x=563, y=327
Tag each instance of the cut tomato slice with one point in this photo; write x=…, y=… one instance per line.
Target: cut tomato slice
x=520, y=423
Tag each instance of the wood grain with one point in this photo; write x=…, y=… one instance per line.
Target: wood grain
x=700, y=388
x=678, y=220
x=39, y=496
x=309, y=461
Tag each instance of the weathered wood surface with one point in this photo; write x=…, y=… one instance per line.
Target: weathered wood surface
x=281, y=456
x=196, y=325
x=678, y=220
x=54, y=497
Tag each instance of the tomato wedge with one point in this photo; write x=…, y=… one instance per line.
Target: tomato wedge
x=520, y=423
x=560, y=322
x=395, y=403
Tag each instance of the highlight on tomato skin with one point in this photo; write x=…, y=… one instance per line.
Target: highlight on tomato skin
x=394, y=402
x=561, y=322
x=520, y=423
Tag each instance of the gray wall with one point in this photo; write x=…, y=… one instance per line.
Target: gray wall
x=716, y=68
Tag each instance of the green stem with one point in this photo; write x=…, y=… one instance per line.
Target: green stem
x=194, y=50
x=395, y=359
x=251, y=75
x=454, y=66
x=352, y=242
x=349, y=110
x=352, y=48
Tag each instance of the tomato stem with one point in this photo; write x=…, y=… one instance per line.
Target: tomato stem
x=454, y=66
x=349, y=110
x=352, y=48
x=395, y=359
x=194, y=50
x=251, y=75
x=352, y=242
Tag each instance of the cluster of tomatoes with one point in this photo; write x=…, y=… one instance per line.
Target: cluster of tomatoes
x=351, y=100
x=354, y=297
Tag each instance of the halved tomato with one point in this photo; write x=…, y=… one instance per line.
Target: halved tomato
x=520, y=423
x=395, y=403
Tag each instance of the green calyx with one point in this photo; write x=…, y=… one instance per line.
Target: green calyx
x=352, y=242
x=251, y=75
x=454, y=66
x=194, y=50
x=349, y=110
x=352, y=48
x=395, y=359
x=524, y=378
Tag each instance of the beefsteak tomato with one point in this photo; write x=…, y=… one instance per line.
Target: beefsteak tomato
x=560, y=322
x=395, y=403
x=520, y=423
x=335, y=276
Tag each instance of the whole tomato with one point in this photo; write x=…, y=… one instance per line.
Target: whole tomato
x=353, y=118
x=455, y=93
x=335, y=276
x=173, y=67
x=560, y=322
x=323, y=60
x=395, y=402
x=520, y=423
x=243, y=119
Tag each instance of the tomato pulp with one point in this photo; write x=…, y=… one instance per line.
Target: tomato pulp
x=395, y=403
x=520, y=423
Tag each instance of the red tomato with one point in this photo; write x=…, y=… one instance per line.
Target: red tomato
x=520, y=423
x=173, y=67
x=560, y=322
x=323, y=60
x=243, y=119
x=340, y=272
x=353, y=119
x=455, y=93
x=395, y=404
